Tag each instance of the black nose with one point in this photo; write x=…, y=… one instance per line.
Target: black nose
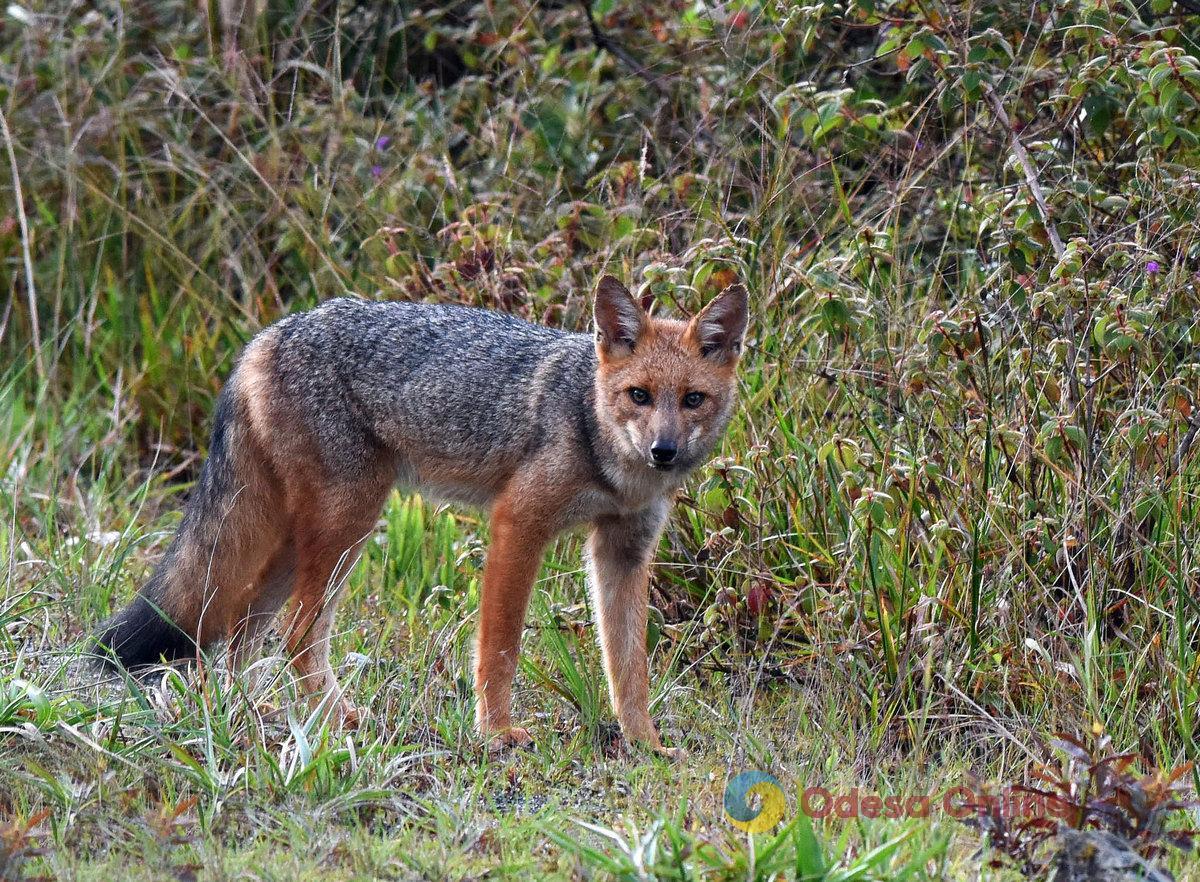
x=663, y=452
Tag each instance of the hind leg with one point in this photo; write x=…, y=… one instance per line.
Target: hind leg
x=272, y=589
x=328, y=543
x=325, y=564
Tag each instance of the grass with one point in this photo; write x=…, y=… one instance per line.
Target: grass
x=955, y=513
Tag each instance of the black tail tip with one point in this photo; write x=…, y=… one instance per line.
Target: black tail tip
x=141, y=634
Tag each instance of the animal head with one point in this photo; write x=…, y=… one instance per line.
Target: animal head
x=665, y=388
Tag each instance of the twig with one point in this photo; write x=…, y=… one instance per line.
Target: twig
x=1039, y=198
x=1031, y=178
x=30, y=289
x=615, y=49
x=1185, y=445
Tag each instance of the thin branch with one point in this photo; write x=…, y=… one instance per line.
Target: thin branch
x=1031, y=178
x=615, y=49
x=30, y=289
x=1185, y=445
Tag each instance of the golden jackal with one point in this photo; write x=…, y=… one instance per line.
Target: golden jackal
x=326, y=411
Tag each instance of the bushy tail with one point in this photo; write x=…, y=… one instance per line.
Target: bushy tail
x=143, y=633
x=186, y=604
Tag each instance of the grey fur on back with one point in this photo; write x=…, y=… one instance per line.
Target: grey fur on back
x=452, y=386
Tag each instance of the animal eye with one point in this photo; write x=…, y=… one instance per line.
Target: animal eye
x=693, y=400
x=639, y=395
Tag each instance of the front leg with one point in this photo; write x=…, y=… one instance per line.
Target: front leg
x=618, y=553
x=519, y=537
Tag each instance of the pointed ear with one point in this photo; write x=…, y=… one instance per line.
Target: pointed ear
x=720, y=327
x=620, y=321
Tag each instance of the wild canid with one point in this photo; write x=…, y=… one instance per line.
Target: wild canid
x=327, y=411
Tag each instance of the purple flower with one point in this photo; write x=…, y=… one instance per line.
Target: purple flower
x=1152, y=267
x=377, y=171
x=382, y=142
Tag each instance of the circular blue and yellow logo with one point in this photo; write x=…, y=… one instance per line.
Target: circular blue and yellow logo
x=772, y=803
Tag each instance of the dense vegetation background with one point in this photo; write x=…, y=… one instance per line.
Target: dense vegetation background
x=956, y=514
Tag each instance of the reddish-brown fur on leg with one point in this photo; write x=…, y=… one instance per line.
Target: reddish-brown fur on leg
x=330, y=524
x=272, y=589
x=618, y=553
x=519, y=537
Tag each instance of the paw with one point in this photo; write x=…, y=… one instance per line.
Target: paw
x=674, y=754
x=349, y=716
x=642, y=733
x=505, y=739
